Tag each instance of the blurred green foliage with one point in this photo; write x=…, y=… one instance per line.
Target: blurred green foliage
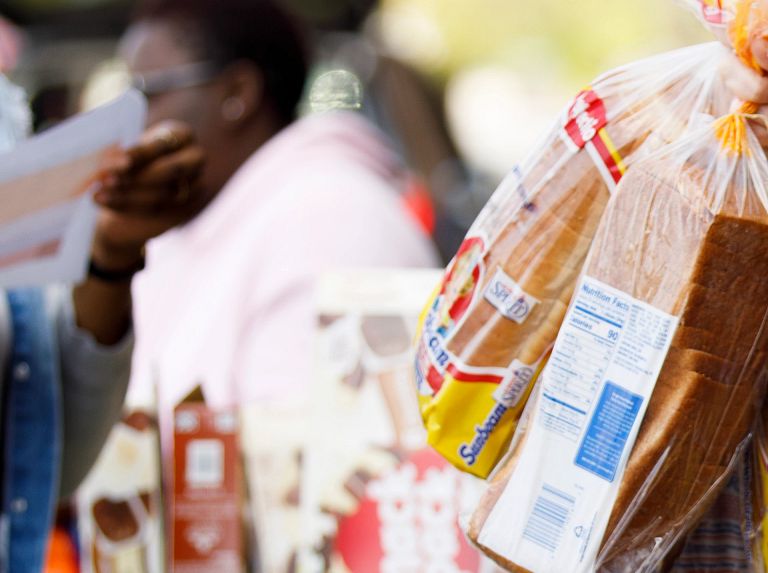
x=571, y=39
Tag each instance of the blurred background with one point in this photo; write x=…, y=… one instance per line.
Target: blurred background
x=493, y=73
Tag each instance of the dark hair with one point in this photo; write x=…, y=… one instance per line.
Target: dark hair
x=228, y=30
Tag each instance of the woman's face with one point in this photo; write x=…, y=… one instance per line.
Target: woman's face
x=178, y=86
x=183, y=89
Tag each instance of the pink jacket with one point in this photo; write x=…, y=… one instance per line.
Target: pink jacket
x=227, y=300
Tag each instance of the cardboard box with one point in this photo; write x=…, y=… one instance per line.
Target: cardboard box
x=119, y=510
x=273, y=437
x=340, y=478
x=208, y=494
x=374, y=497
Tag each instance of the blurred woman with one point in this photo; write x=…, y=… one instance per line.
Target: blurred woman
x=226, y=300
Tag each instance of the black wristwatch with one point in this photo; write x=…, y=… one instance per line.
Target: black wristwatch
x=114, y=276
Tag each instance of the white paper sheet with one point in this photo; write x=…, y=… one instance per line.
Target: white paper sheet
x=47, y=215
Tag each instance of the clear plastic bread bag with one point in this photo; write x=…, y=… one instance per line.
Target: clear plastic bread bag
x=488, y=328
x=658, y=372
x=733, y=532
x=732, y=22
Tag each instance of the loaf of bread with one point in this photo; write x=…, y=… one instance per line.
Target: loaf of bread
x=704, y=402
x=543, y=244
x=694, y=245
x=527, y=248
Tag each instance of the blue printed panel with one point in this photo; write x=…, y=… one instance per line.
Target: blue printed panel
x=608, y=431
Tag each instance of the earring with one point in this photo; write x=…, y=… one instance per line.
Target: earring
x=232, y=108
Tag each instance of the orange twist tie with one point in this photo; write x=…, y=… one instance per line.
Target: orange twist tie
x=731, y=131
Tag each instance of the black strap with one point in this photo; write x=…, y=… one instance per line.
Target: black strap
x=114, y=276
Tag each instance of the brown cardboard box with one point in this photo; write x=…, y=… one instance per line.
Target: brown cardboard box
x=208, y=493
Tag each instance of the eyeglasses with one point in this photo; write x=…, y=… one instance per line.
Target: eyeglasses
x=178, y=77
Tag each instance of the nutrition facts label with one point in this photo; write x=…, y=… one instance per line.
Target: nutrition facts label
x=604, y=328
x=594, y=391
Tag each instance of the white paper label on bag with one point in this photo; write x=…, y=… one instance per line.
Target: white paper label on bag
x=508, y=297
x=594, y=391
x=515, y=383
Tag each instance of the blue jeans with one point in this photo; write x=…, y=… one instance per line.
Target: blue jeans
x=31, y=436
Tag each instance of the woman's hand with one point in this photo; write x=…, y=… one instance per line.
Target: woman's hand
x=747, y=84
x=145, y=191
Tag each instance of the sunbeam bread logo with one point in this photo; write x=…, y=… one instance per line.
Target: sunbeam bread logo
x=513, y=386
x=508, y=297
x=585, y=118
x=470, y=452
